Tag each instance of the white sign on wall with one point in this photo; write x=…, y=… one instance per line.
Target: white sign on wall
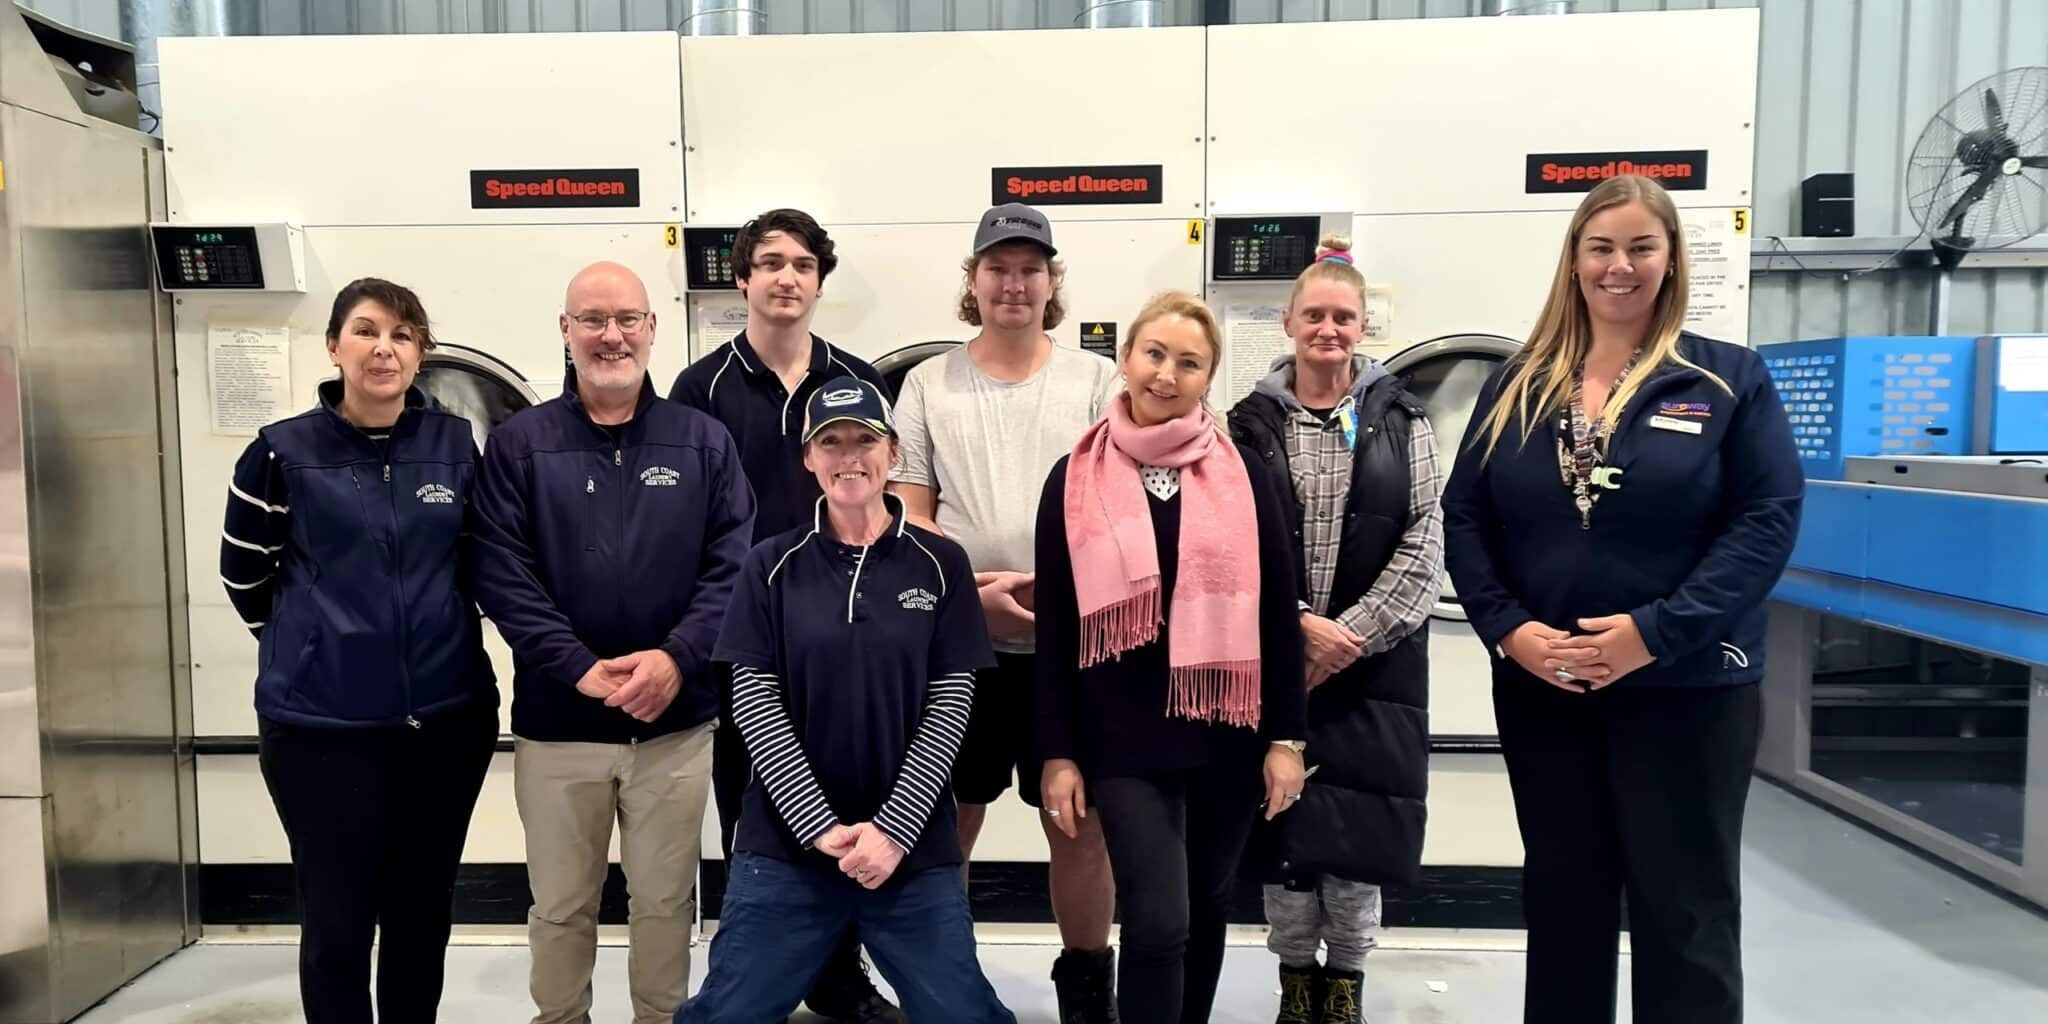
x=1717, y=240
x=248, y=377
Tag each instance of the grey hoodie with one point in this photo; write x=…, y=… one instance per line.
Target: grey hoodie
x=1279, y=383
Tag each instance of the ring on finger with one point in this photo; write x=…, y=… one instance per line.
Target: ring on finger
x=1564, y=675
x=1052, y=812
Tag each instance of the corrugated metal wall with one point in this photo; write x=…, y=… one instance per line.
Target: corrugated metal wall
x=1848, y=86
x=1844, y=85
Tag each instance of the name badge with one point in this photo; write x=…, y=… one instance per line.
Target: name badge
x=1674, y=424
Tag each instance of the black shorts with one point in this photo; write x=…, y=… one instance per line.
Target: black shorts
x=1001, y=733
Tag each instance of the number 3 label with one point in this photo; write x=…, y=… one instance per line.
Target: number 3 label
x=671, y=235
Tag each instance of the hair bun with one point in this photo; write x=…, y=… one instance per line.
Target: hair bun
x=1333, y=243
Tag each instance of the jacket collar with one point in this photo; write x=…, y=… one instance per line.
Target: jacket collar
x=890, y=501
x=574, y=400
x=416, y=401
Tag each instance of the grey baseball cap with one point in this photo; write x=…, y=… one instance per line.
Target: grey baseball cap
x=1013, y=222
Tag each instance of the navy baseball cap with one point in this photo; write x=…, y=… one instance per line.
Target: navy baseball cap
x=1013, y=222
x=847, y=398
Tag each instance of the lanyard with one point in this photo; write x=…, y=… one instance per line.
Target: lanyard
x=1582, y=444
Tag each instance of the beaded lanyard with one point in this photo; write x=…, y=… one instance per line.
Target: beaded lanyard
x=1581, y=444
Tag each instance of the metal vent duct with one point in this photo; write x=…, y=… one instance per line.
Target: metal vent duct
x=725, y=18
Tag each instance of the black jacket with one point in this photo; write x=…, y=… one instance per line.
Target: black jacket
x=1111, y=717
x=1363, y=814
x=347, y=556
x=1689, y=545
x=590, y=547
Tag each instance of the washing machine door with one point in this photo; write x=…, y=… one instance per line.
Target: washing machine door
x=1446, y=374
x=897, y=365
x=475, y=385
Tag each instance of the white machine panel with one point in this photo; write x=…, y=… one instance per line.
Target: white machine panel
x=386, y=129
x=491, y=288
x=900, y=284
x=894, y=128
x=1440, y=115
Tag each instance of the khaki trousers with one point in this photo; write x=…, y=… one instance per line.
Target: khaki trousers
x=568, y=794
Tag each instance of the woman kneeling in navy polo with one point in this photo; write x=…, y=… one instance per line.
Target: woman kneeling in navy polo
x=854, y=644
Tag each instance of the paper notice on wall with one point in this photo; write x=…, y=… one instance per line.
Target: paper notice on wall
x=248, y=377
x=2023, y=364
x=1379, y=340
x=1718, y=305
x=717, y=324
x=1253, y=336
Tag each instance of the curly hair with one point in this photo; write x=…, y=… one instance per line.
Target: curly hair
x=970, y=310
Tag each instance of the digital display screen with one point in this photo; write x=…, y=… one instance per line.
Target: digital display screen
x=1262, y=248
x=707, y=255
x=188, y=258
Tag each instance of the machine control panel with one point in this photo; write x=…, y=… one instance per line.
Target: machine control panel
x=1265, y=248
x=229, y=257
x=707, y=258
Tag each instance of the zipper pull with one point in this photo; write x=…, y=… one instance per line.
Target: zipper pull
x=411, y=721
x=352, y=479
x=618, y=457
x=1585, y=518
x=589, y=486
x=387, y=472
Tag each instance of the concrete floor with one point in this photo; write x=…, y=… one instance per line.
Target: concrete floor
x=1841, y=926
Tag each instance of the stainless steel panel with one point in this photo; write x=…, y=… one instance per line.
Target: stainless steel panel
x=1788, y=692
x=98, y=548
x=26, y=988
x=1989, y=475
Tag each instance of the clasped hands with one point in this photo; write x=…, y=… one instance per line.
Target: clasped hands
x=1609, y=648
x=865, y=854
x=641, y=684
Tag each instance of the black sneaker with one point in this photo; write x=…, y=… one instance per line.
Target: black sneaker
x=844, y=992
x=1086, y=985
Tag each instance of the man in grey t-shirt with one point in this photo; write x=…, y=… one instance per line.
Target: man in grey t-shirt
x=979, y=429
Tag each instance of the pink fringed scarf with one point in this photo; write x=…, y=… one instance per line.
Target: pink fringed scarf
x=1212, y=638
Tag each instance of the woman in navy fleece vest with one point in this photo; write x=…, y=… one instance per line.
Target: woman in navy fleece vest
x=342, y=550
x=1625, y=498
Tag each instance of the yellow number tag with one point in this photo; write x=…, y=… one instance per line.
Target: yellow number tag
x=1742, y=220
x=672, y=235
x=1194, y=232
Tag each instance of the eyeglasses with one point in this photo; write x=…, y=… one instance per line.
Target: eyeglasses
x=774, y=264
x=629, y=322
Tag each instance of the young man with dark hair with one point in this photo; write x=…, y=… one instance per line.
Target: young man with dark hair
x=758, y=385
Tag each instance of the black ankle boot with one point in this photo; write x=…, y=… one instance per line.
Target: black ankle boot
x=844, y=993
x=1301, y=995
x=1343, y=998
x=1086, y=985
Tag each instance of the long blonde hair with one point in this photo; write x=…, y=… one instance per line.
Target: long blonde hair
x=1539, y=374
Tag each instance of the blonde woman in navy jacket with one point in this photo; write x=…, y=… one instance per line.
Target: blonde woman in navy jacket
x=1626, y=496
x=343, y=549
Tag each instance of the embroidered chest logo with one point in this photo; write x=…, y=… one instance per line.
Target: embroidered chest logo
x=435, y=494
x=660, y=476
x=1699, y=410
x=918, y=599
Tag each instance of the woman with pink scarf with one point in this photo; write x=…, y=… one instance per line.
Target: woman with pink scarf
x=1170, y=656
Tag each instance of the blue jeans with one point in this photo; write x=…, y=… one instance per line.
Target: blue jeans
x=781, y=921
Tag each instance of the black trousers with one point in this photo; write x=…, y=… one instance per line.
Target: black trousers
x=376, y=819
x=1174, y=841
x=1633, y=794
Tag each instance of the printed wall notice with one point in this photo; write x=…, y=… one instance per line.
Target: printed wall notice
x=1718, y=305
x=248, y=377
x=717, y=324
x=1253, y=336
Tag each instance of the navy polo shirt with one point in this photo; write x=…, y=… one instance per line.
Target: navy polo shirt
x=766, y=421
x=856, y=635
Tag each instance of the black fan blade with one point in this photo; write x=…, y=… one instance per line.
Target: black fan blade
x=1953, y=220
x=2034, y=161
x=1994, y=114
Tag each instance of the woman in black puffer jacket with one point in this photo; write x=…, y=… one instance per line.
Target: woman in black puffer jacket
x=1368, y=536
